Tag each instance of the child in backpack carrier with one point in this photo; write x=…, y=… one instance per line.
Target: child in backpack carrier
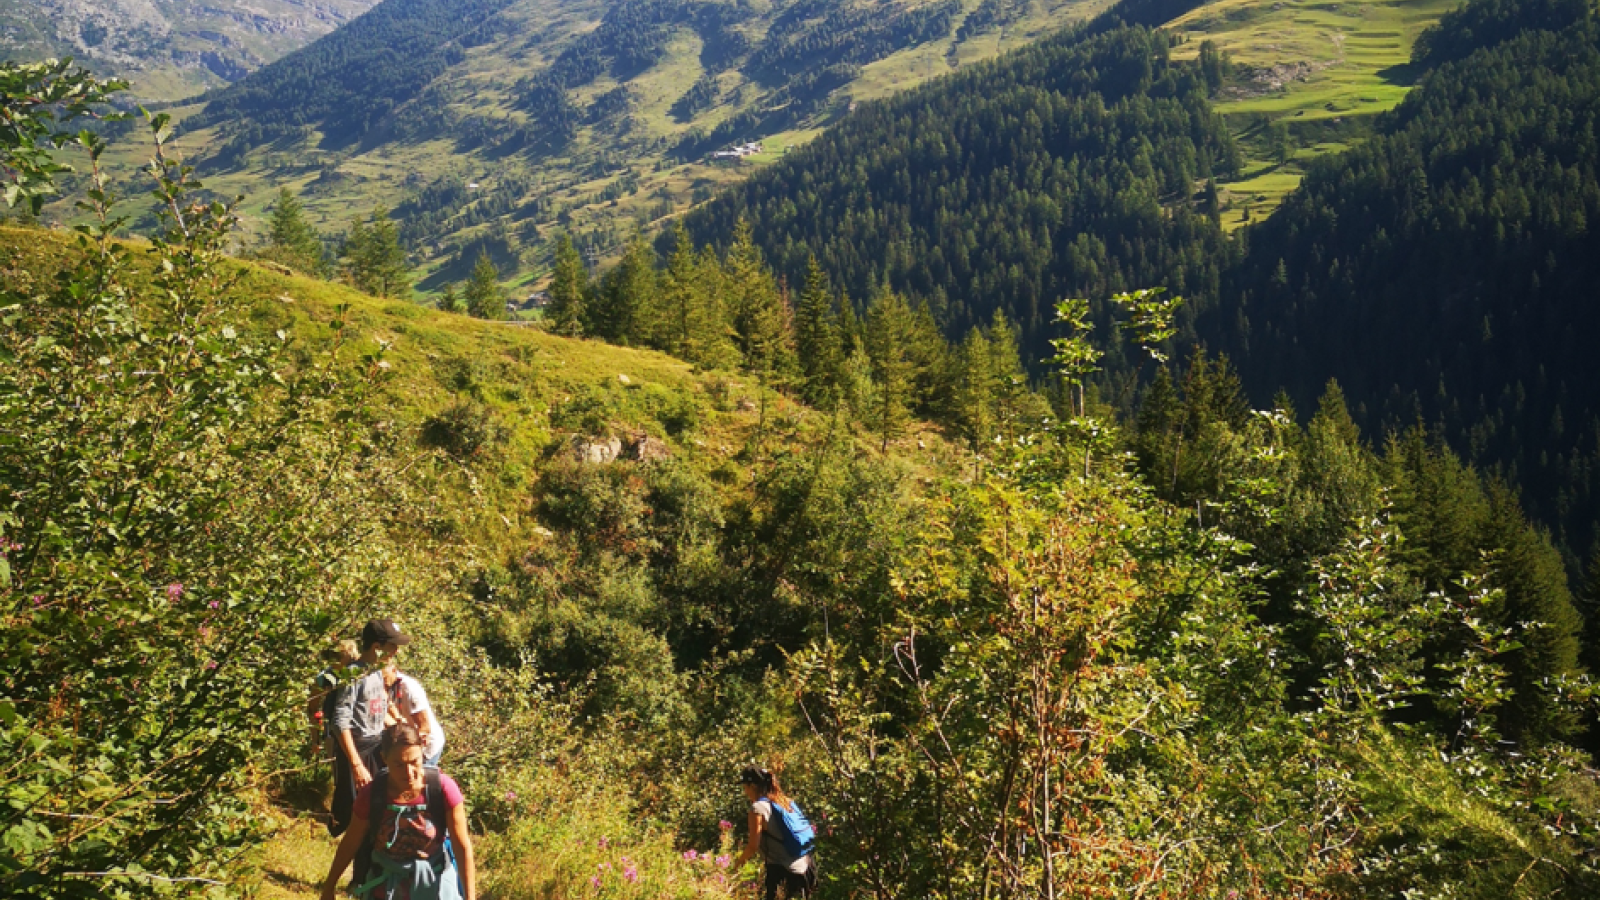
x=412, y=824
x=781, y=833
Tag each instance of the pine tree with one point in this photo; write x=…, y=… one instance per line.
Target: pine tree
x=483, y=296
x=623, y=310
x=890, y=344
x=1528, y=570
x=759, y=317
x=450, y=300
x=291, y=240
x=1440, y=507
x=1278, y=143
x=850, y=333
x=817, y=340
x=569, y=290
x=1588, y=599
x=1014, y=400
x=1158, y=433
x=373, y=259
x=690, y=323
x=974, y=397
x=931, y=358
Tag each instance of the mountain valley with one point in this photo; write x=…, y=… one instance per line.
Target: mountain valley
x=1122, y=450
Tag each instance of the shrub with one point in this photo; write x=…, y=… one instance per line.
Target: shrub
x=464, y=430
x=185, y=516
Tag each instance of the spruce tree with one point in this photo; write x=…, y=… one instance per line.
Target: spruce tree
x=1529, y=572
x=1014, y=399
x=1158, y=433
x=291, y=240
x=931, y=357
x=483, y=296
x=569, y=290
x=974, y=396
x=374, y=261
x=890, y=345
x=689, y=321
x=758, y=315
x=851, y=335
x=623, y=310
x=817, y=339
x=1588, y=600
x=450, y=301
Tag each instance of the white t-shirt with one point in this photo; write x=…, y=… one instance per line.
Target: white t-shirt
x=772, y=849
x=412, y=699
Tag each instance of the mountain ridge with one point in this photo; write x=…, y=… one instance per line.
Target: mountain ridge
x=169, y=49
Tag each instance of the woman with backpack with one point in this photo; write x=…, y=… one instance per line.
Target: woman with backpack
x=780, y=832
x=413, y=823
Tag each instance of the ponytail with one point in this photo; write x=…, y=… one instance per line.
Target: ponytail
x=766, y=782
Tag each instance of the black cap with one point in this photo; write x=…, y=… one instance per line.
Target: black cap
x=757, y=777
x=383, y=631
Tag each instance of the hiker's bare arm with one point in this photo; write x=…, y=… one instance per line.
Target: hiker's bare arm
x=423, y=721
x=358, y=771
x=348, y=845
x=753, y=844
x=463, y=842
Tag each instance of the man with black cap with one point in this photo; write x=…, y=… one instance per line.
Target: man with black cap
x=358, y=713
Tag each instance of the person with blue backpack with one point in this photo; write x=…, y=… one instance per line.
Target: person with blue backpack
x=781, y=833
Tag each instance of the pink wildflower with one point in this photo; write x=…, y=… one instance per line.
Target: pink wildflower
x=725, y=825
x=631, y=874
x=604, y=843
x=595, y=881
x=511, y=796
x=723, y=860
x=214, y=604
x=690, y=855
x=211, y=664
x=174, y=592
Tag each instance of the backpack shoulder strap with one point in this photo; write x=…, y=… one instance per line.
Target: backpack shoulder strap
x=438, y=811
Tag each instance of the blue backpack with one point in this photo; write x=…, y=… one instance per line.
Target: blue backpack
x=799, y=839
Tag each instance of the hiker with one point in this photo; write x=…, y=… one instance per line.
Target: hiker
x=781, y=833
x=319, y=707
x=408, y=702
x=357, y=717
x=411, y=825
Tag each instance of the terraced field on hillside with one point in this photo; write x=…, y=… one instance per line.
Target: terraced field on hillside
x=1322, y=69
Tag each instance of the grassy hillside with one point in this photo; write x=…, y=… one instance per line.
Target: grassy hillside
x=492, y=570
x=524, y=395
x=1323, y=70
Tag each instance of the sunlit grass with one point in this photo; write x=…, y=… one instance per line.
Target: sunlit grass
x=1344, y=64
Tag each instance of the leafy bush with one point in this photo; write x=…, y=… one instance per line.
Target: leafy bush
x=185, y=517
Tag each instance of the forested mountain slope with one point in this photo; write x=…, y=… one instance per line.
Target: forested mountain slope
x=168, y=49
x=1067, y=169
x=1442, y=271
x=487, y=124
x=1435, y=270
x=946, y=192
